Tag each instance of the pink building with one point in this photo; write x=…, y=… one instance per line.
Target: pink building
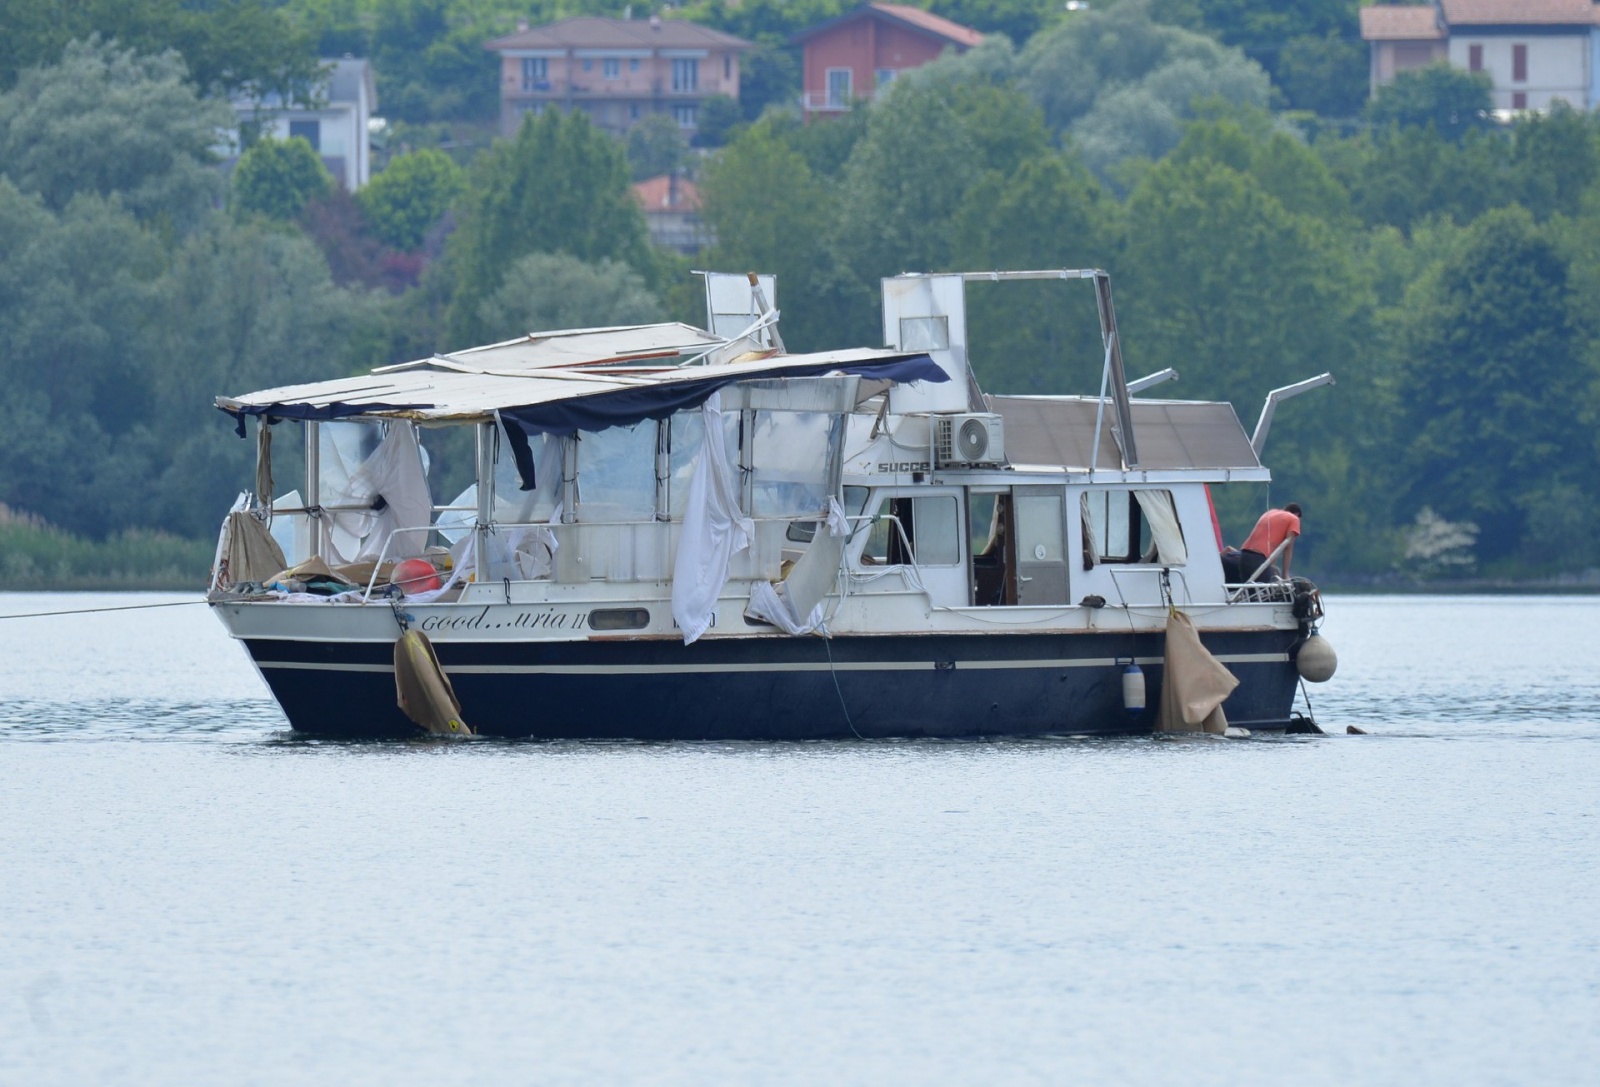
x=859, y=53
x=617, y=70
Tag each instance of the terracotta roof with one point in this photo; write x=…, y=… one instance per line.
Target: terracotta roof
x=1393, y=23
x=590, y=32
x=655, y=194
x=926, y=21
x=1518, y=12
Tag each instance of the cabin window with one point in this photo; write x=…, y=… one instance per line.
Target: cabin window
x=855, y=500
x=1131, y=527
x=687, y=436
x=619, y=619
x=1519, y=63
x=924, y=333
x=931, y=527
x=616, y=474
x=790, y=457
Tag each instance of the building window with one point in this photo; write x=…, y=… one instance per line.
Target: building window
x=882, y=78
x=1519, y=63
x=611, y=68
x=633, y=111
x=633, y=64
x=727, y=66
x=1474, y=58
x=588, y=64
x=839, y=89
x=310, y=131
x=535, y=74
x=684, y=115
x=685, y=75
x=1519, y=100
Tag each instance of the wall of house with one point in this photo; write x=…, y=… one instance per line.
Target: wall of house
x=578, y=78
x=864, y=46
x=1392, y=57
x=1558, y=66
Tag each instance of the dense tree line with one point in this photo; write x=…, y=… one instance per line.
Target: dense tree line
x=1439, y=263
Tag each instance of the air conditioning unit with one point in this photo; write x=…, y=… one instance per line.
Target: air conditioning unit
x=965, y=441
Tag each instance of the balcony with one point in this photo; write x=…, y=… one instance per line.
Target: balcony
x=821, y=102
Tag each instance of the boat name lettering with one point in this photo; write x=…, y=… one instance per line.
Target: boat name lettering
x=541, y=619
x=903, y=466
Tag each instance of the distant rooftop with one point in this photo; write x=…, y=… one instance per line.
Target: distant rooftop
x=925, y=21
x=1386, y=22
x=1518, y=12
x=592, y=32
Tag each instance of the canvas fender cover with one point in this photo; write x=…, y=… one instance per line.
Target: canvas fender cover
x=422, y=690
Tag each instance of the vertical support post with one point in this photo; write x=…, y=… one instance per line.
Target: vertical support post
x=313, y=492
x=1123, y=430
x=569, y=479
x=747, y=460
x=484, y=448
x=664, y=469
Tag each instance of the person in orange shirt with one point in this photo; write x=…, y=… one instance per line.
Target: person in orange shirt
x=1272, y=529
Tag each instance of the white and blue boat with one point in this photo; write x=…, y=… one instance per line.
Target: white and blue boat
x=689, y=533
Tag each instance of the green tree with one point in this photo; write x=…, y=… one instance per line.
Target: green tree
x=106, y=120
x=1494, y=393
x=1326, y=75
x=429, y=58
x=656, y=146
x=1241, y=295
x=560, y=186
x=552, y=290
x=770, y=213
x=1123, y=84
x=277, y=178
x=1439, y=96
x=925, y=147
x=718, y=116
x=411, y=194
x=247, y=47
x=1555, y=158
x=1034, y=337
x=1311, y=48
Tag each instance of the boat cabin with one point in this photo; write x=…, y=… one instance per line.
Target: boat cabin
x=870, y=489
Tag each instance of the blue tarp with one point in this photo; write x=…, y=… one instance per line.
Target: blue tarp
x=619, y=407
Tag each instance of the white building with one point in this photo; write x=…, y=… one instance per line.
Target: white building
x=1536, y=52
x=337, y=129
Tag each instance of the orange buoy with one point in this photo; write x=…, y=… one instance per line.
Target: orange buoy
x=415, y=576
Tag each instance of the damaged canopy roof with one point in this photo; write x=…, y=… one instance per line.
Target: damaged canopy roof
x=579, y=379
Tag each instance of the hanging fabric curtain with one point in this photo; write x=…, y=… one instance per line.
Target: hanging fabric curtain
x=394, y=473
x=1165, y=534
x=714, y=530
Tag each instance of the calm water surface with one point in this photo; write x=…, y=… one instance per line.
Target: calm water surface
x=187, y=895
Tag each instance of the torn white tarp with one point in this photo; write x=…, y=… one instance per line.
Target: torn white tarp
x=795, y=604
x=394, y=472
x=714, y=530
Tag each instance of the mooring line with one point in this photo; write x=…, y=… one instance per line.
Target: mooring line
x=94, y=611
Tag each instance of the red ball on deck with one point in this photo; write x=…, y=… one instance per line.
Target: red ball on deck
x=415, y=576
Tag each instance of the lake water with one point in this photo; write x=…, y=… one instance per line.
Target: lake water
x=188, y=895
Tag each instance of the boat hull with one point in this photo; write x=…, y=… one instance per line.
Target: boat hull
x=773, y=688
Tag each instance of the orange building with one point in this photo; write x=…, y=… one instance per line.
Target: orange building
x=859, y=53
x=617, y=70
